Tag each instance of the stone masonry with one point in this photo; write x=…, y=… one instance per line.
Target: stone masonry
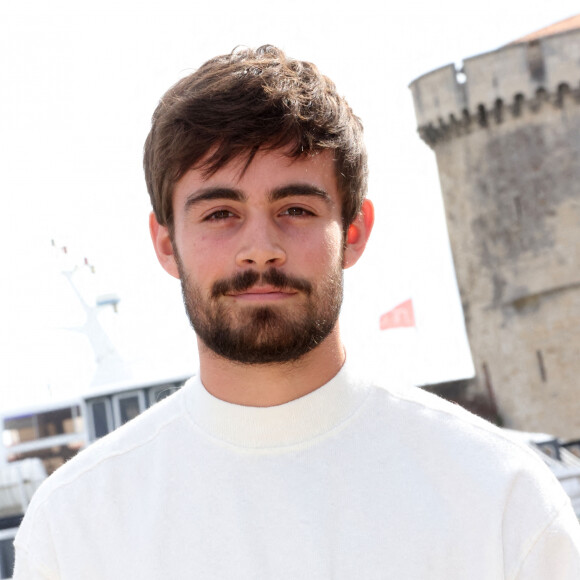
x=506, y=133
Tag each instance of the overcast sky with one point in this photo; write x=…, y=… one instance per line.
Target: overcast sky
x=78, y=89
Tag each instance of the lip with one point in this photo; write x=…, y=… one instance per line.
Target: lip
x=260, y=293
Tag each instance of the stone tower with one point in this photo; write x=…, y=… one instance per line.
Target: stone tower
x=506, y=133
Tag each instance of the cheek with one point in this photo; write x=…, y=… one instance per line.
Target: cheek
x=335, y=241
x=197, y=264
x=205, y=253
x=324, y=249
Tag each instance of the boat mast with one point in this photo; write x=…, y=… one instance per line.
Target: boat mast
x=110, y=366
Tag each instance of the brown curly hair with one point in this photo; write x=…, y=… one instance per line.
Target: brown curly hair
x=239, y=103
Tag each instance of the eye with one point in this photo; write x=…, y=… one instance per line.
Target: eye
x=297, y=212
x=220, y=214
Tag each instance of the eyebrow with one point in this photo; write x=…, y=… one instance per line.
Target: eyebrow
x=213, y=193
x=232, y=194
x=299, y=189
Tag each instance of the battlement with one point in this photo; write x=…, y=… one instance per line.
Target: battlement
x=450, y=102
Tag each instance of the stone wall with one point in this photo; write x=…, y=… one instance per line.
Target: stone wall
x=506, y=133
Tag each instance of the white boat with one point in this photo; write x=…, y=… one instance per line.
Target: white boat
x=18, y=482
x=37, y=439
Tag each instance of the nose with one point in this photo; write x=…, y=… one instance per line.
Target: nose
x=260, y=245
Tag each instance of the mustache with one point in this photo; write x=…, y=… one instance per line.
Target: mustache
x=245, y=280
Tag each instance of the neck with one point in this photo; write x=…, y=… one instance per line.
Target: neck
x=272, y=384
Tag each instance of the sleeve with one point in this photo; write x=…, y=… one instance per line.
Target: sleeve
x=24, y=569
x=541, y=533
x=556, y=552
x=35, y=555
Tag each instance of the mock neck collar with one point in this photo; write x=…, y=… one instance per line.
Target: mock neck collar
x=284, y=425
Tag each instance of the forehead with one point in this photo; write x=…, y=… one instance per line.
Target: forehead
x=268, y=170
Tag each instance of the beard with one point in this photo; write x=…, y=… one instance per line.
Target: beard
x=263, y=334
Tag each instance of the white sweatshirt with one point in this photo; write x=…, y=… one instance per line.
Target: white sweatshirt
x=349, y=482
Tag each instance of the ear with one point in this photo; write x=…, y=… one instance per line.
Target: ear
x=163, y=246
x=358, y=234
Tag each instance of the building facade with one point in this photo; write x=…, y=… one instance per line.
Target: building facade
x=506, y=133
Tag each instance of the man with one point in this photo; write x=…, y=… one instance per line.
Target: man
x=279, y=460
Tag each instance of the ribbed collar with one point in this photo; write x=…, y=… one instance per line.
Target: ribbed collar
x=279, y=426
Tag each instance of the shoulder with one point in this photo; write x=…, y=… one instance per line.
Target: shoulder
x=136, y=437
x=423, y=411
x=458, y=438
x=471, y=455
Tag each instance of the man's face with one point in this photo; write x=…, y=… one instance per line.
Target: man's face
x=260, y=255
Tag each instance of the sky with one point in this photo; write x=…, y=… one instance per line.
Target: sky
x=79, y=86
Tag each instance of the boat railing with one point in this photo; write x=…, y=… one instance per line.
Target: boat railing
x=18, y=482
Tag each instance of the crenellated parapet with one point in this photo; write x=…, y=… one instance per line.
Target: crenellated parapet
x=493, y=86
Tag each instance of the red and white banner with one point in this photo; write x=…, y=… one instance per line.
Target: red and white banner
x=402, y=316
